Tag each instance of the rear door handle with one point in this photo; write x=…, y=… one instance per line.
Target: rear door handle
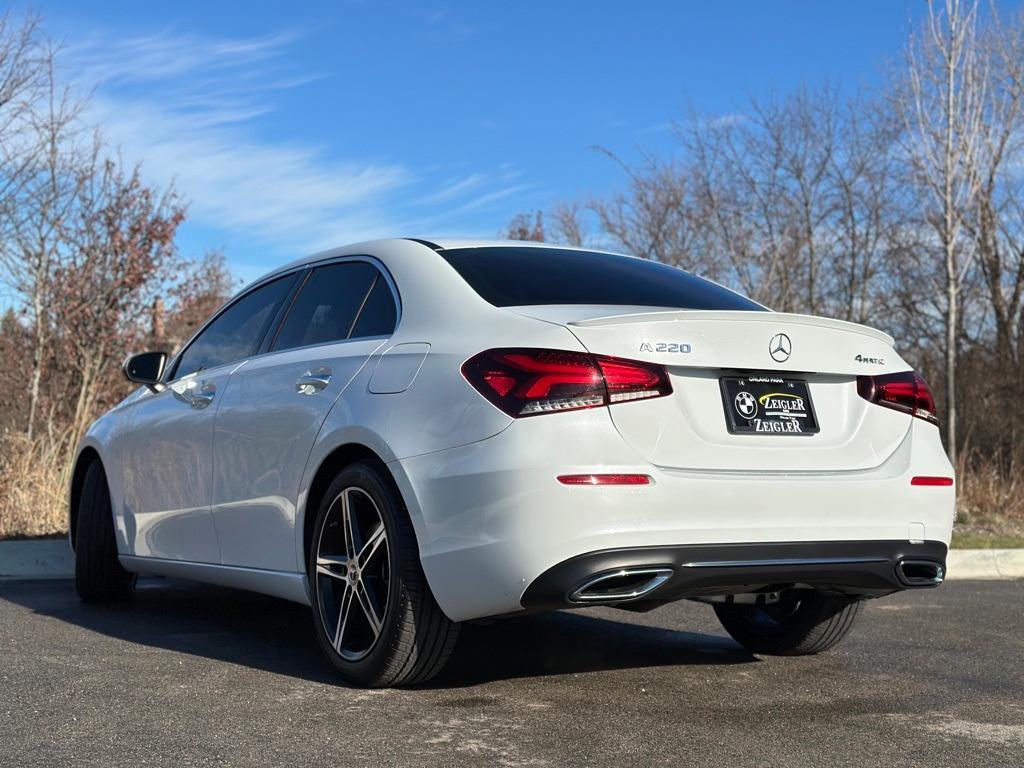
x=313, y=381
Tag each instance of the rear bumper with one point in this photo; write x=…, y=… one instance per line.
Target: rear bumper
x=663, y=574
x=491, y=518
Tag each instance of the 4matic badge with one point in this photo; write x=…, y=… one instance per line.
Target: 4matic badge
x=871, y=360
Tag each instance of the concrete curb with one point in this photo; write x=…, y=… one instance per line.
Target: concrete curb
x=53, y=559
x=985, y=564
x=39, y=559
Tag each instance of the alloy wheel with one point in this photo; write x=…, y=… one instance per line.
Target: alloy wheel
x=353, y=573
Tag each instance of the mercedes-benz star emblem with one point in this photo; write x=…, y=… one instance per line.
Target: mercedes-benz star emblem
x=780, y=347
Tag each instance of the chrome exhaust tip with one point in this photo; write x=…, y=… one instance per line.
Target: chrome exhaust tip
x=624, y=584
x=920, y=573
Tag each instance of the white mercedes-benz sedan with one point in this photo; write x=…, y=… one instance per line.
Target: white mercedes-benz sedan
x=406, y=435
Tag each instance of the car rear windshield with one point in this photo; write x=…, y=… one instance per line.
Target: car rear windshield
x=508, y=276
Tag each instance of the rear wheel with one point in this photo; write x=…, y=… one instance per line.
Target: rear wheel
x=375, y=616
x=99, y=576
x=802, y=622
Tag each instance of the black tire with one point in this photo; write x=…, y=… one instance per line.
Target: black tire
x=99, y=576
x=802, y=623
x=415, y=637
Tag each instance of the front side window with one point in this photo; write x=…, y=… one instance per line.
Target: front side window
x=338, y=302
x=237, y=331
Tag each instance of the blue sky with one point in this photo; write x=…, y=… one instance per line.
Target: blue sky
x=293, y=127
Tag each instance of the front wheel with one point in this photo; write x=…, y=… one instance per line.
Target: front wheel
x=375, y=616
x=801, y=623
x=99, y=576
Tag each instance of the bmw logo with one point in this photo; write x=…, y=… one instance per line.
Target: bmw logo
x=746, y=405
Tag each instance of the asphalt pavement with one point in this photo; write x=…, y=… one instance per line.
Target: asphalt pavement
x=189, y=675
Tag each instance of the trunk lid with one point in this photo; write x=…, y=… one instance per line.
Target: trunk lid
x=688, y=429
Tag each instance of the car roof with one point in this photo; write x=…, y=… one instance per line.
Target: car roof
x=449, y=243
x=442, y=244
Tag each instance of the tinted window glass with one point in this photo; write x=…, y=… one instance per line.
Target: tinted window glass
x=379, y=312
x=237, y=331
x=509, y=277
x=326, y=307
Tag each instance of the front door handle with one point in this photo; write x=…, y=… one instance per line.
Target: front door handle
x=313, y=381
x=204, y=396
x=197, y=398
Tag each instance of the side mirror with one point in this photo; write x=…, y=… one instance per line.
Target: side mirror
x=145, y=368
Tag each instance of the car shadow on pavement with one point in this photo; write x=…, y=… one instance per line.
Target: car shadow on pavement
x=570, y=642
x=277, y=636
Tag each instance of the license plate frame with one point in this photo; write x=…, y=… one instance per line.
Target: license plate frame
x=768, y=404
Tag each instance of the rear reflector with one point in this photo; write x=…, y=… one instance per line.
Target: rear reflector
x=906, y=392
x=604, y=479
x=529, y=382
x=931, y=480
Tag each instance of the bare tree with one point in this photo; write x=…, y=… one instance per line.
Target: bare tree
x=995, y=227
x=40, y=201
x=525, y=226
x=653, y=217
x=87, y=248
x=942, y=105
x=867, y=209
x=198, y=290
x=121, y=251
x=787, y=201
x=22, y=84
x=568, y=226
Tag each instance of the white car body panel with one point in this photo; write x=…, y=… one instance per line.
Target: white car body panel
x=397, y=368
x=507, y=524
x=264, y=433
x=220, y=493
x=167, y=471
x=686, y=430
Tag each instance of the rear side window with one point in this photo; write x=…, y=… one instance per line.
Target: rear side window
x=510, y=277
x=379, y=313
x=237, y=331
x=329, y=304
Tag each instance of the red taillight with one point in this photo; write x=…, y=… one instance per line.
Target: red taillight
x=604, y=479
x=528, y=382
x=906, y=392
x=630, y=380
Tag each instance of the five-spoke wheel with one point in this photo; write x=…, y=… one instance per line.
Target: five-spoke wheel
x=353, y=572
x=375, y=616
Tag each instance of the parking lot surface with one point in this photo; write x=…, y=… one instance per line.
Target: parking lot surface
x=188, y=675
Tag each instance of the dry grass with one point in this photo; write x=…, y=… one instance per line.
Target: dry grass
x=33, y=479
x=990, y=500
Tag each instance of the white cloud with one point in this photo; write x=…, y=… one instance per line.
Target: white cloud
x=492, y=197
x=231, y=181
x=453, y=189
x=195, y=110
x=187, y=108
x=167, y=54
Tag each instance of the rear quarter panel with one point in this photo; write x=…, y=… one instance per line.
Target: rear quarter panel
x=439, y=409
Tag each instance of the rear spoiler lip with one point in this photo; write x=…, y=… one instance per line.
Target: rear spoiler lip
x=683, y=315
